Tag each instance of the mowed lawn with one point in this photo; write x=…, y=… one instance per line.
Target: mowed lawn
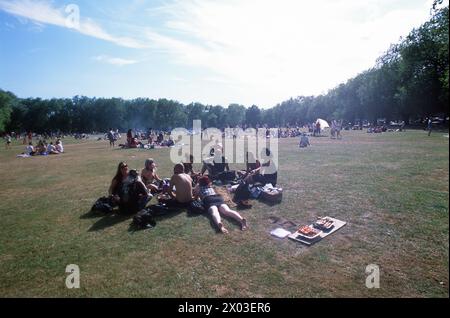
x=391, y=188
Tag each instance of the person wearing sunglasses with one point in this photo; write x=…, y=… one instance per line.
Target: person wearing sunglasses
x=128, y=190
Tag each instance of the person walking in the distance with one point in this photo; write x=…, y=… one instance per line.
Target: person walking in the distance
x=430, y=126
x=111, y=137
x=8, y=141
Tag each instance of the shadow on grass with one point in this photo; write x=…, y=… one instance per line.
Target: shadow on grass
x=157, y=217
x=270, y=203
x=92, y=214
x=116, y=217
x=249, y=207
x=119, y=148
x=109, y=220
x=106, y=219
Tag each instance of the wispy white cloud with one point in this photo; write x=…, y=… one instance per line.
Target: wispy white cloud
x=114, y=60
x=43, y=12
x=277, y=49
x=251, y=51
x=9, y=25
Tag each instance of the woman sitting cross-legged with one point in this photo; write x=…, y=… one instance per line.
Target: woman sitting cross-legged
x=215, y=205
x=128, y=190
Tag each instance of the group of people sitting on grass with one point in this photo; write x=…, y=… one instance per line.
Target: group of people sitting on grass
x=43, y=148
x=218, y=169
x=132, y=191
x=377, y=129
x=27, y=137
x=141, y=140
x=287, y=132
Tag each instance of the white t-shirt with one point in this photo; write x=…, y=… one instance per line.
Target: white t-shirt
x=50, y=148
x=60, y=147
x=29, y=149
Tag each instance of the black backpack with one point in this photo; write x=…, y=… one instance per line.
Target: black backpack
x=144, y=219
x=242, y=192
x=163, y=209
x=104, y=205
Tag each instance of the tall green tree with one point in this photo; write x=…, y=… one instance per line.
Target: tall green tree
x=7, y=99
x=253, y=116
x=235, y=115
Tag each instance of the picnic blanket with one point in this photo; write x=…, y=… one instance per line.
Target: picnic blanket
x=337, y=225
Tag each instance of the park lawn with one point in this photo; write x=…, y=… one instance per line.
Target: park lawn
x=391, y=188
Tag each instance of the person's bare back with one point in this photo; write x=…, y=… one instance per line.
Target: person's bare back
x=183, y=186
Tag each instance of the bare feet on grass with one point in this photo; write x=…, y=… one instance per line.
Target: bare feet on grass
x=244, y=225
x=222, y=229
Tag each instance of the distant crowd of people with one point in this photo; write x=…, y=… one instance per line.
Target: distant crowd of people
x=43, y=148
x=139, y=139
x=159, y=138
x=28, y=137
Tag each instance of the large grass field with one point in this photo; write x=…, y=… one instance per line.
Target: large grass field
x=391, y=188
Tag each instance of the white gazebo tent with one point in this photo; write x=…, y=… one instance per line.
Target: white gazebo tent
x=323, y=123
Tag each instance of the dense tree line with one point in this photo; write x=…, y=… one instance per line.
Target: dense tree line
x=409, y=81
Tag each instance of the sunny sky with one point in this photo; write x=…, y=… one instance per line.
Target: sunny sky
x=210, y=51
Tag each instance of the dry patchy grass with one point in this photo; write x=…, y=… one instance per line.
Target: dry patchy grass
x=392, y=189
